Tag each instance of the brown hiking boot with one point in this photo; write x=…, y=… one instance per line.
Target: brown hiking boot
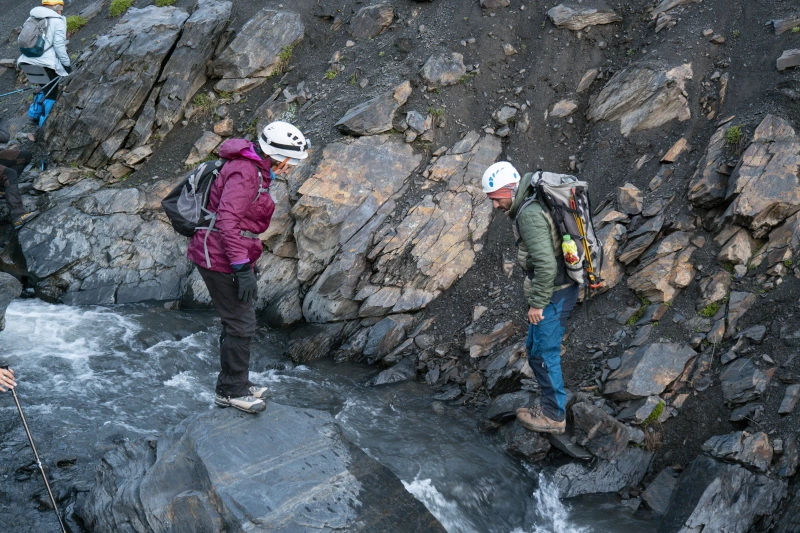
x=22, y=219
x=534, y=419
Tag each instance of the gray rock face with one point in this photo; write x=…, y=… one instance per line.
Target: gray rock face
x=598, y=432
x=574, y=479
x=101, y=246
x=753, y=451
x=643, y=98
x=766, y=186
x=504, y=407
x=315, y=341
x=444, y=68
x=371, y=21
x=386, y=335
x=790, y=520
x=710, y=181
x=525, y=444
x=742, y=382
x=184, y=73
x=10, y=288
x=255, y=54
x=375, y=115
x=648, y=370
x=658, y=493
x=506, y=370
x=787, y=465
x=128, y=59
x=405, y=370
x=579, y=16
x=304, y=477
x=713, y=496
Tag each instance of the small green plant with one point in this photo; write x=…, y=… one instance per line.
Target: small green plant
x=251, y=128
x=381, y=53
x=74, y=23
x=544, y=24
x=788, y=263
x=202, y=102
x=736, y=34
x=353, y=78
x=630, y=52
x=796, y=29
x=655, y=415
x=74, y=164
x=118, y=7
x=436, y=112
x=728, y=267
x=733, y=135
x=466, y=77
x=636, y=316
x=165, y=3
x=710, y=310
x=331, y=74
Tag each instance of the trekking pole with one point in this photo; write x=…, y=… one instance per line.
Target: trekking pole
x=16, y=92
x=594, y=283
x=36, y=455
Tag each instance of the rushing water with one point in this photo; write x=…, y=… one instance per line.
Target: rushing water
x=90, y=377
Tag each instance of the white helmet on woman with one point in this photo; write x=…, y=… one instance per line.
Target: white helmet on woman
x=498, y=176
x=280, y=140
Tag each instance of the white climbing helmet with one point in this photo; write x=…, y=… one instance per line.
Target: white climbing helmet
x=280, y=140
x=498, y=176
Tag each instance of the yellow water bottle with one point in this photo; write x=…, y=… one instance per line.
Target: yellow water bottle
x=570, y=250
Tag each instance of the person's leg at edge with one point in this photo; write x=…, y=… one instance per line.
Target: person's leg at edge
x=8, y=181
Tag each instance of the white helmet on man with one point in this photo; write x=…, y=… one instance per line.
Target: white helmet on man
x=498, y=176
x=280, y=140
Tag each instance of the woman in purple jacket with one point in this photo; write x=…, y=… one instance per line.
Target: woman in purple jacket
x=225, y=256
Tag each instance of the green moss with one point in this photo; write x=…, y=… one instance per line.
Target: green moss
x=788, y=263
x=331, y=74
x=734, y=135
x=796, y=29
x=736, y=34
x=436, y=112
x=709, y=310
x=118, y=7
x=728, y=267
x=202, y=101
x=165, y=3
x=466, y=77
x=655, y=415
x=353, y=78
x=636, y=316
x=74, y=23
x=630, y=52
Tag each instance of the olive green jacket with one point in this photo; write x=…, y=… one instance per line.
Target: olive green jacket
x=538, y=248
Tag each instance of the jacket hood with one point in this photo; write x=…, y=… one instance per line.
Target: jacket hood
x=41, y=12
x=242, y=150
x=522, y=193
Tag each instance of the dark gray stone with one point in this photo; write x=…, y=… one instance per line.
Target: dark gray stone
x=10, y=289
x=371, y=21
x=574, y=479
x=648, y=370
x=789, y=59
x=752, y=451
x=790, y=335
x=302, y=477
x=789, y=399
x=386, y=335
x=659, y=491
x=444, y=68
x=525, y=444
x=714, y=496
x=505, y=371
x=787, y=465
x=754, y=333
x=789, y=522
x=742, y=382
x=563, y=442
x=405, y=370
x=577, y=16
x=376, y=115
x=598, y=432
x=745, y=412
x=312, y=342
x=504, y=407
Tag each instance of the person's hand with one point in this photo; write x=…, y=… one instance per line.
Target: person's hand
x=535, y=315
x=7, y=379
x=68, y=69
x=246, y=281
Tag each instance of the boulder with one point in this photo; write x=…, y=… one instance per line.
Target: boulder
x=494, y=4
x=504, y=115
x=564, y=108
x=598, y=432
x=789, y=59
x=480, y=344
x=315, y=341
x=648, y=370
x=203, y=148
x=659, y=278
x=278, y=299
x=753, y=451
x=375, y=115
x=371, y=21
x=784, y=241
x=444, y=68
x=587, y=79
x=129, y=60
x=10, y=289
x=641, y=239
x=766, y=186
x=579, y=16
x=405, y=370
x=742, y=382
x=789, y=521
x=630, y=199
x=184, y=73
x=504, y=407
x=386, y=335
x=627, y=470
x=677, y=149
x=790, y=398
x=56, y=178
x=611, y=270
x=709, y=183
x=506, y=370
x=305, y=472
x=714, y=288
x=666, y=5
x=714, y=496
x=739, y=249
x=738, y=305
x=787, y=465
x=643, y=97
x=640, y=410
x=528, y=445
x=658, y=493
x=258, y=51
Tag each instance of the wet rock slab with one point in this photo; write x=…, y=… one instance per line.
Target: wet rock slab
x=302, y=476
x=525, y=444
x=598, y=432
x=10, y=288
x=658, y=493
x=574, y=479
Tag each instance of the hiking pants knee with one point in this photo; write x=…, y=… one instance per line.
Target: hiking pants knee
x=12, y=163
x=238, y=327
x=544, y=351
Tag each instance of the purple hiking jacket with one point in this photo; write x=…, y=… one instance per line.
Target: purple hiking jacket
x=233, y=198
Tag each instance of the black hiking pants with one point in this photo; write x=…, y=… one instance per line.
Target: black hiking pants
x=12, y=163
x=238, y=328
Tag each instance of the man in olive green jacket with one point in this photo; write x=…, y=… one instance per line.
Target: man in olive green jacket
x=551, y=294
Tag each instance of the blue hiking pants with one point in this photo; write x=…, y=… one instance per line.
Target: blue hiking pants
x=544, y=351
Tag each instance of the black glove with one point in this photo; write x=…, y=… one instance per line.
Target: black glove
x=246, y=281
x=68, y=68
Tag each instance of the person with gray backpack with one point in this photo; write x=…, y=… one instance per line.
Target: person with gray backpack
x=43, y=42
x=557, y=250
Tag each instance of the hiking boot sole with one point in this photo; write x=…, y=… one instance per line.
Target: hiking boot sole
x=256, y=408
x=544, y=429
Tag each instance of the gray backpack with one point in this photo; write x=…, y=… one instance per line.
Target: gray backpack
x=33, y=37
